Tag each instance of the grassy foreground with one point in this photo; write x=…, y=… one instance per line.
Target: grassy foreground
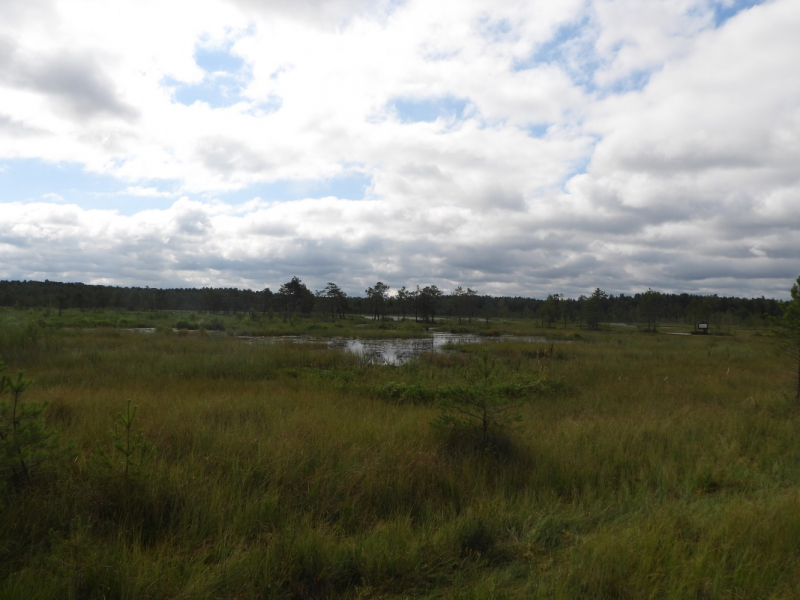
x=654, y=466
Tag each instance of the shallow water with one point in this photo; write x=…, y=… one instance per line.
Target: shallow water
x=399, y=351
x=391, y=351
x=380, y=351
x=396, y=351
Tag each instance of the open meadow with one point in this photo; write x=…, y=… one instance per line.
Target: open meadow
x=642, y=465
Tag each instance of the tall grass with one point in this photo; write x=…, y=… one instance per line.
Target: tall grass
x=254, y=324
x=659, y=466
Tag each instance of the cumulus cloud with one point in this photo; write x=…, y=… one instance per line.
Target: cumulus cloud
x=329, y=13
x=12, y=128
x=524, y=148
x=74, y=83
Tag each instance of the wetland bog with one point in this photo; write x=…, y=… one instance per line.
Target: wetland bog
x=643, y=465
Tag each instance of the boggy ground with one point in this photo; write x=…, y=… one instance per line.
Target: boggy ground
x=645, y=466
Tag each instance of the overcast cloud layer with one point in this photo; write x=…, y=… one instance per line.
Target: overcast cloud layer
x=527, y=148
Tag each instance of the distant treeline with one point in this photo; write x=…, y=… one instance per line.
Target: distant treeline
x=294, y=297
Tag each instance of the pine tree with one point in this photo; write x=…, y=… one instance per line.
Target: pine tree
x=25, y=441
x=787, y=330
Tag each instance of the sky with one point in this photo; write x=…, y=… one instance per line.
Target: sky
x=516, y=147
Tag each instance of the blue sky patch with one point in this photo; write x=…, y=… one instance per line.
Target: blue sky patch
x=580, y=165
x=635, y=81
x=349, y=187
x=34, y=180
x=723, y=13
x=265, y=107
x=428, y=110
x=217, y=91
x=553, y=51
x=214, y=60
x=227, y=76
x=537, y=130
x=571, y=49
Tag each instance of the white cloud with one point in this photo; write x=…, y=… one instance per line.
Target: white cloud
x=639, y=36
x=149, y=192
x=691, y=181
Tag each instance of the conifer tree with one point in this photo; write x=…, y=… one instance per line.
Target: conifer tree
x=788, y=332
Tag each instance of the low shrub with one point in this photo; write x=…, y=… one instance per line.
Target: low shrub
x=216, y=324
x=407, y=393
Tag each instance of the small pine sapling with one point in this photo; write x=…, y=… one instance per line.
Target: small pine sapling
x=129, y=448
x=25, y=441
x=480, y=409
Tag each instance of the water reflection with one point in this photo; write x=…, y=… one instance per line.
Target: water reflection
x=396, y=351
x=399, y=351
x=386, y=351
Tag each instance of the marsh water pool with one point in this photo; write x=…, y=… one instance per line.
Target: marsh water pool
x=398, y=351
x=387, y=351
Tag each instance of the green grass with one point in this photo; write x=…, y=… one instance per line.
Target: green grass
x=655, y=466
x=313, y=325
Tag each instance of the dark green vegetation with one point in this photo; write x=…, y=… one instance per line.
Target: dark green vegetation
x=787, y=330
x=465, y=307
x=644, y=465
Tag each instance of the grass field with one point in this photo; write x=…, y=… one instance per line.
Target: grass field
x=280, y=324
x=644, y=466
